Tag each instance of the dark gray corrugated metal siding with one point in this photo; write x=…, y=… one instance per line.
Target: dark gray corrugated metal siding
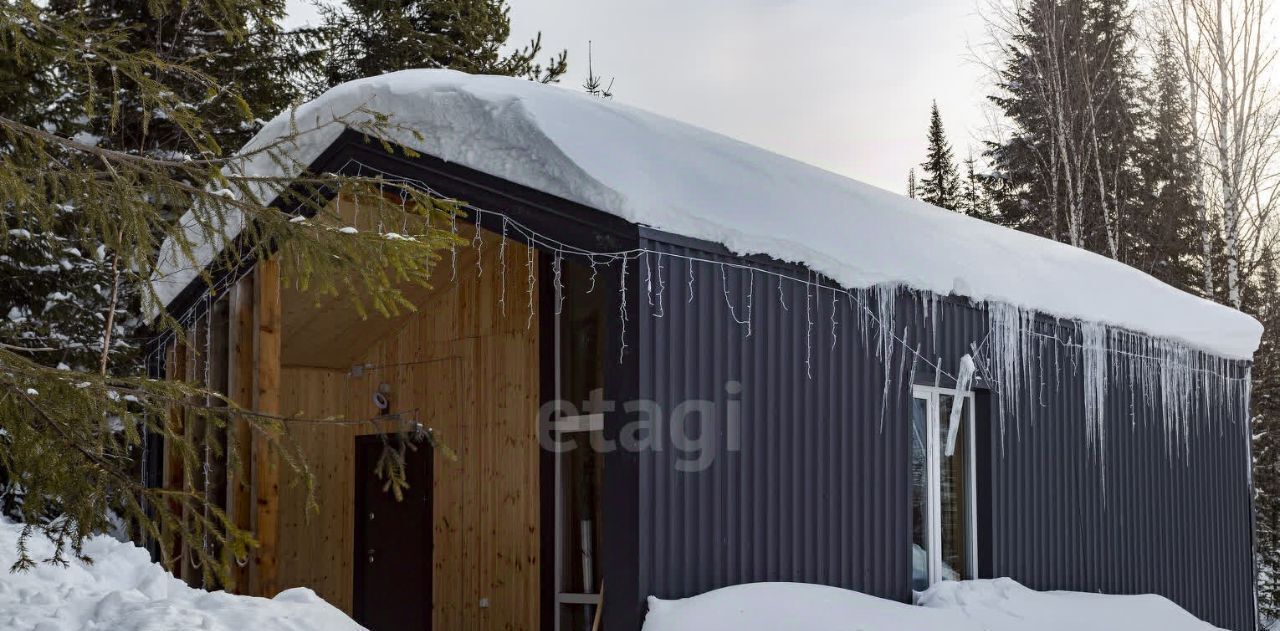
x=819, y=490
x=1177, y=525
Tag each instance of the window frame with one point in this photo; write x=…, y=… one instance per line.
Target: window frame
x=934, y=446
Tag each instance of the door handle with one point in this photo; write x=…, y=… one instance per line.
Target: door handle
x=371, y=556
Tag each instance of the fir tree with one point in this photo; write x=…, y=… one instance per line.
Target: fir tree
x=194, y=50
x=1165, y=237
x=1068, y=89
x=1265, y=401
x=55, y=274
x=973, y=199
x=911, y=183
x=51, y=277
x=365, y=38
x=94, y=190
x=940, y=184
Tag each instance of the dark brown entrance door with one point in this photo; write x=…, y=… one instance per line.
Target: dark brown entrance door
x=392, y=543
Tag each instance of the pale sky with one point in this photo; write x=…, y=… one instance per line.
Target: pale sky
x=841, y=84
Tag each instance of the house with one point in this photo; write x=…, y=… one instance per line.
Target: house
x=670, y=362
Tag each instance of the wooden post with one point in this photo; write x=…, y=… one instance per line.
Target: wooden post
x=193, y=434
x=240, y=381
x=266, y=469
x=175, y=370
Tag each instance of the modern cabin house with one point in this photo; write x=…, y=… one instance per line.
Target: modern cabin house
x=670, y=362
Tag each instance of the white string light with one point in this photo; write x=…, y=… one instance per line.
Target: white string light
x=594, y=273
x=724, y=285
x=689, y=266
x=880, y=314
x=556, y=265
x=662, y=290
x=648, y=278
x=833, y=319
x=532, y=281
x=622, y=311
x=502, y=262
x=808, y=329
x=477, y=244
x=453, y=248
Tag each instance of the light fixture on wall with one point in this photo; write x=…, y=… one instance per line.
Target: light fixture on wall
x=381, y=398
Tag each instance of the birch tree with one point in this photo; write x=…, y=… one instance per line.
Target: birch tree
x=1228, y=56
x=1065, y=70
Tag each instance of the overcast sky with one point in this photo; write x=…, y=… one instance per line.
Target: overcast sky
x=842, y=84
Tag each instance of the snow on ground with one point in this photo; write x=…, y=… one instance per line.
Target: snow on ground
x=124, y=591
x=678, y=178
x=983, y=605
x=1003, y=604
x=773, y=606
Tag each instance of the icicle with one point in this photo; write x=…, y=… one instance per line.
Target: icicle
x=888, y=377
x=935, y=317
x=1004, y=324
x=864, y=316
x=886, y=301
x=1094, y=350
x=964, y=379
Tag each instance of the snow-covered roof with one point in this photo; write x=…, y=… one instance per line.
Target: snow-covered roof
x=682, y=179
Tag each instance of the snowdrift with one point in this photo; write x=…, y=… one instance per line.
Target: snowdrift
x=124, y=591
x=983, y=605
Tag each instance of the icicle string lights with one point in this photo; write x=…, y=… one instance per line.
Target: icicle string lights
x=502, y=263
x=1165, y=376
x=622, y=311
x=557, y=265
x=662, y=290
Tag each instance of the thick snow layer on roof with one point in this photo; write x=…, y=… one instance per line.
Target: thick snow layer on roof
x=124, y=591
x=984, y=605
x=685, y=180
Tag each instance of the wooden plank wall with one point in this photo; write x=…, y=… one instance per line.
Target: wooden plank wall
x=233, y=348
x=470, y=370
x=240, y=391
x=264, y=573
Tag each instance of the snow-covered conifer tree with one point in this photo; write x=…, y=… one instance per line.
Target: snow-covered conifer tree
x=112, y=136
x=940, y=185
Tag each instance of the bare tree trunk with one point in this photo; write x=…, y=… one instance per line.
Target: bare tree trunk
x=1179, y=26
x=1228, y=57
x=1226, y=169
